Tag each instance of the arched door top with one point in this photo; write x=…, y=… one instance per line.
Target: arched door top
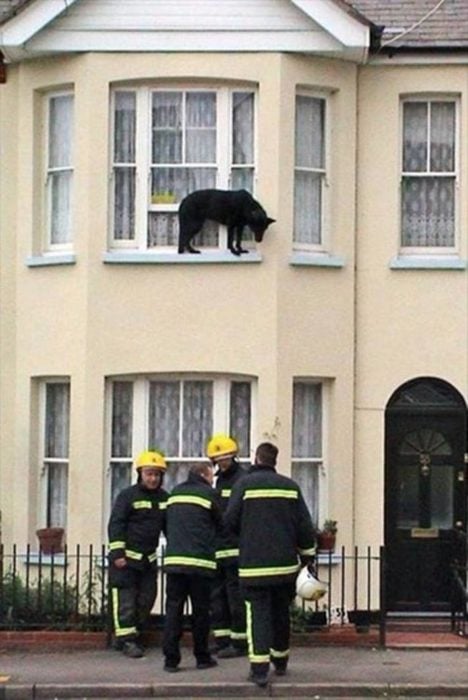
x=426, y=392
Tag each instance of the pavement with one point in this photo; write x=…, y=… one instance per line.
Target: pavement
x=314, y=672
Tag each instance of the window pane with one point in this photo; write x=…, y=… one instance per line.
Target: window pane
x=122, y=417
x=121, y=477
x=428, y=211
x=240, y=416
x=307, y=207
x=180, y=181
x=306, y=474
x=242, y=179
x=197, y=417
x=442, y=137
x=163, y=419
x=310, y=142
x=167, y=127
x=200, y=132
x=60, y=131
x=242, y=128
x=124, y=203
x=60, y=184
x=176, y=473
x=415, y=116
x=57, y=420
x=124, y=127
x=307, y=420
x=57, y=495
x=163, y=229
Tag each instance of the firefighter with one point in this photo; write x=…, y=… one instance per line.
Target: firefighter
x=193, y=518
x=268, y=511
x=227, y=605
x=136, y=521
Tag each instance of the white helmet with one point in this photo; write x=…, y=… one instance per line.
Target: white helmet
x=308, y=587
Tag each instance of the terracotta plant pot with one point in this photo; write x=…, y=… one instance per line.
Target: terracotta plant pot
x=51, y=539
x=326, y=541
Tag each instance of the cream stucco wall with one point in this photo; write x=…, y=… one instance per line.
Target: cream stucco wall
x=410, y=323
x=92, y=320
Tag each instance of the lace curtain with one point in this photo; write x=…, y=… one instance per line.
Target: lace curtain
x=309, y=169
x=57, y=425
x=124, y=165
x=121, y=437
x=307, y=442
x=428, y=183
x=59, y=167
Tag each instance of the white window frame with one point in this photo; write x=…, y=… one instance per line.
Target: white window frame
x=141, y=384
x=48, y=245
x=223, y=165
x=322, y=461
x=44, y=461
x=431, y=251
x=324, y=245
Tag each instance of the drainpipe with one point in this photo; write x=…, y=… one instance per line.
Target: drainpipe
x=3, y=69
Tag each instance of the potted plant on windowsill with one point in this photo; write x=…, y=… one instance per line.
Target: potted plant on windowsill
x=51, y=539
x=327, y=536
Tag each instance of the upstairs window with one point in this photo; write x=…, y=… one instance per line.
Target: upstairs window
x=429, y=176
x=176, y=416
x=168, y=143
x=310, y=173
x=59, y=171
x=55, y=453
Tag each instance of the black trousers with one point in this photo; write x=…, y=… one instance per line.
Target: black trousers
x=268, y=624
x=228, y=608
x=180, y=587
x=133, y=593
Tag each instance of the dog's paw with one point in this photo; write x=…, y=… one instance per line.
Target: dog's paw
x=234, y=251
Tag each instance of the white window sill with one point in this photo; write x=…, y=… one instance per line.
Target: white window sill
x=328, y=559
x=316, y=260
x=51, y=259
x=151, y=258
x=427, y=263
x=45, y=559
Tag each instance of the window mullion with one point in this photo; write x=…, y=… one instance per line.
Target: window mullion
x=143, y=173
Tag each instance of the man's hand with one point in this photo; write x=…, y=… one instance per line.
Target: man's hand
x=120, y=563
x=312, y=566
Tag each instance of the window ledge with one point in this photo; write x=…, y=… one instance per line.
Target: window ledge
x=44, y=560
x=143, y=258
x=316, y=260
x=427, y=263
x=51, y=259
x=328, y=559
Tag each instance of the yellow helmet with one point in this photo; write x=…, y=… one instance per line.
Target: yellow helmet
x=220, y=446
x=150, y=459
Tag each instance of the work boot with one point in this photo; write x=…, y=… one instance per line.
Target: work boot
x=280, y=666
x=132, y=650
x=206, y=663
x=259, y=674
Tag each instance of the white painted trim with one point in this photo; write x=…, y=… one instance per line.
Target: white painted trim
x=316, y=260
x=150, y=258
x=345, y=28
x=52, y=40
x=31, y=20
x=50, y=259
x=410, y=262
x=424, y=58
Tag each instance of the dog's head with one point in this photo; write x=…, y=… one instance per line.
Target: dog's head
x=259, y=223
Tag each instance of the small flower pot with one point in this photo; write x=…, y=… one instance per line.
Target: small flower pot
x=51, y=539
x=326, y=541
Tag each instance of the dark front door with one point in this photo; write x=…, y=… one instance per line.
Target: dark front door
x=425, y=498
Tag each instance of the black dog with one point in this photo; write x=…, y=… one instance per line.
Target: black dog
x=234, y=209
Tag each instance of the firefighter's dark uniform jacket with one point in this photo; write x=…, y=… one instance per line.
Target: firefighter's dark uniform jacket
x=227, y=544
x=136, y=521
x=193, y=519
x=269, y=513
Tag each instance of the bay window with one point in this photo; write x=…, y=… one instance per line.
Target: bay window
x=429, y=175
x=307, y=443
x=177, y=416
x=168, y=142
x=310, y=173
x=59, y=171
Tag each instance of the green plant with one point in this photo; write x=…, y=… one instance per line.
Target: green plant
x=330, y=526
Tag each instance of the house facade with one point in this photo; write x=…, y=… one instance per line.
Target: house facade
x=342, y=337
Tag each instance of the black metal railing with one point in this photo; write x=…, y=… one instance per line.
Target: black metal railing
x=69, y=591
x=459, y=611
